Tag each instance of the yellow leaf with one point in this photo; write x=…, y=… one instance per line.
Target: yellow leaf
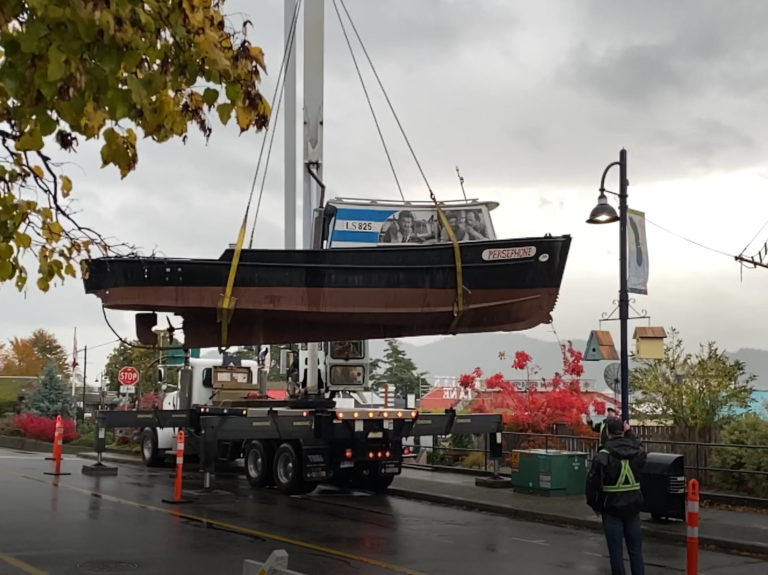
x=38, y=171
x=55, y=230
x=66, y=186
x=43, y=284
x=258, y=55
x=69, y=269
x=31, y=140
x=22, y=240
x=47, y=213
x=92, y=120
x=244, y=117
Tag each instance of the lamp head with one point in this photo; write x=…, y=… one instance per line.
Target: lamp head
x=603, y=212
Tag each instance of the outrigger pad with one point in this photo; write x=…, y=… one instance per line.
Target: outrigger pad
x=144, y=324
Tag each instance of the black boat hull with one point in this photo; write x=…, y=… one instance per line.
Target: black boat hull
x=285, y=296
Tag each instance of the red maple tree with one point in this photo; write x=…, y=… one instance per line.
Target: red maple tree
x=536, y=408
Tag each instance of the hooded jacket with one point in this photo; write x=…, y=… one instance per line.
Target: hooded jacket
x=612, y=486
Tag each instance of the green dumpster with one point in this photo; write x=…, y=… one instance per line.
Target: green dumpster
x=548, y=472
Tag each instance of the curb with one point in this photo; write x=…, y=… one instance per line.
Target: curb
x=711, y=543
x=37, y=446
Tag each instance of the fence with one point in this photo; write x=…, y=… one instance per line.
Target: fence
x=720, y=467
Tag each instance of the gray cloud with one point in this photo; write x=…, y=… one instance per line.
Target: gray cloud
x=530, y=99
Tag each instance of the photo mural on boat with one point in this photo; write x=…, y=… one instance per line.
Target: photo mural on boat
x=382, y=225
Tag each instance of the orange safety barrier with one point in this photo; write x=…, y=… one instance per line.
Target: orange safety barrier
x=692, y=565
x=58, y=441
x=179, y=470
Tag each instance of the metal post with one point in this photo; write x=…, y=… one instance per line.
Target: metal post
x=85, y=376
x=314, y=40
x=290, y=129
x=623, y=293
x=314, y=23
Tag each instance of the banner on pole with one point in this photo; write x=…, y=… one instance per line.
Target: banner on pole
x=637, y=253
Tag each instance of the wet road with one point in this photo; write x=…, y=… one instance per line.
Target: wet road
x=77, y=524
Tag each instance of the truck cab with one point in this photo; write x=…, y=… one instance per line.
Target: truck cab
x=342, y=366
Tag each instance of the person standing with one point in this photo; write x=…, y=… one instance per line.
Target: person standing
x=600, y=427
x=613, y=492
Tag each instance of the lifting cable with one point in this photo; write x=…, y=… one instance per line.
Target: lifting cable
x=458, y=308
x=226, y=305
x=367, y=96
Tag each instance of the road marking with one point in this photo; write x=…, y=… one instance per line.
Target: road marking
x=534, y=541
x=229, y=527
x=24, y=566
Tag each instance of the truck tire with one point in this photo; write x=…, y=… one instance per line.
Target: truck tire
x=259, y=458
x=288, y=471
x=149, y=451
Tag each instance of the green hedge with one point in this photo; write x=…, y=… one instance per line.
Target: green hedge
x=746, y=430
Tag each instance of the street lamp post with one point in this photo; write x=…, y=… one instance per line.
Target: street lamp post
x=604, y=213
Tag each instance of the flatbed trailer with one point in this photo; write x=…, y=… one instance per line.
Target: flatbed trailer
x=296, y=445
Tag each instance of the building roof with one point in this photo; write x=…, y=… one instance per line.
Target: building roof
x=654, y=332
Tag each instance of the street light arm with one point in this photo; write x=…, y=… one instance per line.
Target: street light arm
x=605, y=173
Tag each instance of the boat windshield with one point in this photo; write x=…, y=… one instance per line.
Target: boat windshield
x=364, y=224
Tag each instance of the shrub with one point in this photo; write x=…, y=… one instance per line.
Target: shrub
x=746, y=430
x=473, y=460
x=8, y=427
x=43, y=428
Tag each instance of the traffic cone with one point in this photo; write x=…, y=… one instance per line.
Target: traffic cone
x=179, y=470
x=58, y=440
x=692, y=512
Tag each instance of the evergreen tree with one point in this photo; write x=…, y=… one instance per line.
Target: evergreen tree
x=50, y=397
x=398, y=370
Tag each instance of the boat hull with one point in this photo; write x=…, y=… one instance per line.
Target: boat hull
x=284, y=296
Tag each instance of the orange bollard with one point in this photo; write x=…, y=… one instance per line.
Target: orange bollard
x=179, y=470
x=692, y=565
x=56, y=454
x=58, y=441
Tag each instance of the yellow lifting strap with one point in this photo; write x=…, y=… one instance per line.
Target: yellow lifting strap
x=458, y=308
x=226, y=306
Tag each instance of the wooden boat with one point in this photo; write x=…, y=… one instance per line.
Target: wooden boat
x=343, y=293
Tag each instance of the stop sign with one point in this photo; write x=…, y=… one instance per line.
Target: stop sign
x=128, y=376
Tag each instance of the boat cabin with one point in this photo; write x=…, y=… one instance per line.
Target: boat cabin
x=354, y=222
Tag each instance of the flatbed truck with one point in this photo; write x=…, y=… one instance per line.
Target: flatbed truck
x=292, y=444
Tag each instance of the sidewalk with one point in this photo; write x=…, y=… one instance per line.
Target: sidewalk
x=732, y=531
x=729, y=531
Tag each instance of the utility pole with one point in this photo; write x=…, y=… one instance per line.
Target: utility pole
x=85, y=374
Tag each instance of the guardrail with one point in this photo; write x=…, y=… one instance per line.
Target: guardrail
x=276, y=564
x=730, y=469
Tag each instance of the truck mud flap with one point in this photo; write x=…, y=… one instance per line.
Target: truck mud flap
x=316, y=464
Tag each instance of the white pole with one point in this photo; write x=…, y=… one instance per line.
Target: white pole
x=314, y=23
x=290, y=128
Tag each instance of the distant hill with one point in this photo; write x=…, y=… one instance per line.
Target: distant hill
x=454, y=355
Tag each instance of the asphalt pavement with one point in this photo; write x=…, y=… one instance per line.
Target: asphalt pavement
x=77, y=524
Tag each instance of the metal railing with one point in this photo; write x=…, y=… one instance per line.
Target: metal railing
x=720, y=467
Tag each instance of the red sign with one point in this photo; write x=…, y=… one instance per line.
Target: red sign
x=128, y=376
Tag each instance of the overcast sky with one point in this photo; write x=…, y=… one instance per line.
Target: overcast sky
x=531, y=100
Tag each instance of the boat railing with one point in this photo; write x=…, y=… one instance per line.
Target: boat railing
x=420, y=203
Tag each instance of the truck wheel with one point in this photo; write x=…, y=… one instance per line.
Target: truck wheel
x=149, y=453
x=258, y=464
x=287, y=470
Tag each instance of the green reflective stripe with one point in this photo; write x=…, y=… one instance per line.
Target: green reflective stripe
x=626, y=481
x=615, y=489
